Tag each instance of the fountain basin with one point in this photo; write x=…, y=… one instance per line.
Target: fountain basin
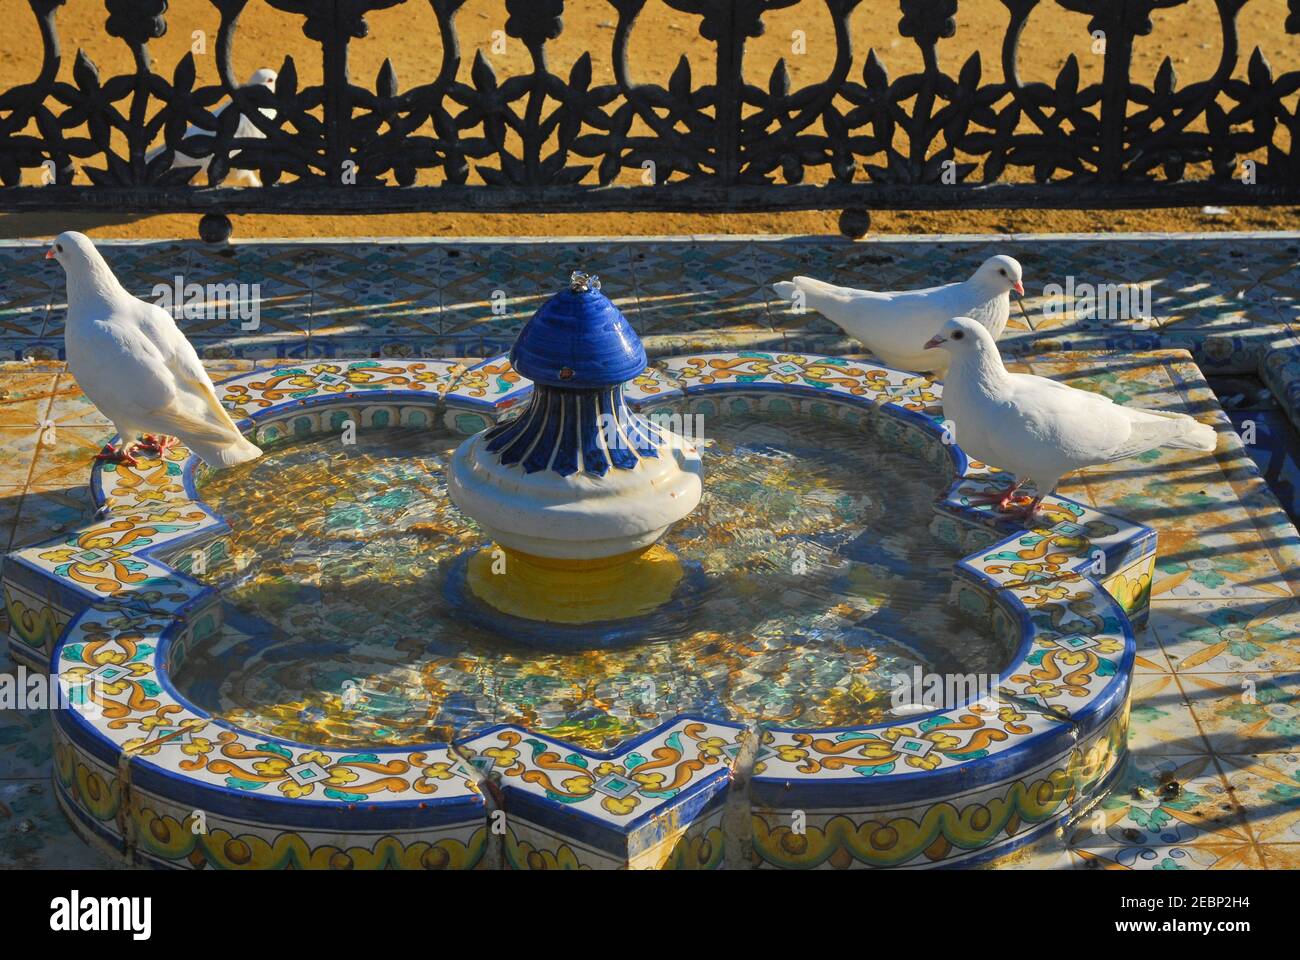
x=942, y=787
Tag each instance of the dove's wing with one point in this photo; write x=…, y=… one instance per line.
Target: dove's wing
x=1089, y=428
x=1077, y=419
x=159, y=401
x=893, y=325
x=1046, y=383
x=248, y=129
x=179, y=356
x=906, y=307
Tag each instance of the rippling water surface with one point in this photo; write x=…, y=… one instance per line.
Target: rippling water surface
x=814, y=580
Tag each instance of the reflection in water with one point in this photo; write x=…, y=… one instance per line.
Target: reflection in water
x=814, y=580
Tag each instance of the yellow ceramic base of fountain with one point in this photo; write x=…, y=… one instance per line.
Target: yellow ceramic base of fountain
x=574, y=591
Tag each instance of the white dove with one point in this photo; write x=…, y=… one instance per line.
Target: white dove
x=1038, y=429
x=894, y=325
x=264, y=77
x=134, y=364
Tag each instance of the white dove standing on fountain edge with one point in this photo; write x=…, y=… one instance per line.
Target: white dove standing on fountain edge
x=265, y=77
x=894, y=325
x=134, y=364
x=1039, y=429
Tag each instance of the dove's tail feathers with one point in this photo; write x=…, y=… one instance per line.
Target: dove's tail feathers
x=1188, y=433
x=816, y=290
x=784, y=289
x=1181, y=432
x=215, y=439
x=835, y=303
x=1178, y=431
x=231, y=454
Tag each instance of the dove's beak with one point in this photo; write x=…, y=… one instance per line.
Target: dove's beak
x=934, y=342
x=49, y=254
x=1019, y=288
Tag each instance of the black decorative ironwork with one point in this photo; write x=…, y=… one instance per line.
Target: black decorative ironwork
x=539, y=141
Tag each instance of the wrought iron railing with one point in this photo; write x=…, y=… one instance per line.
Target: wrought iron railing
x=538, y=141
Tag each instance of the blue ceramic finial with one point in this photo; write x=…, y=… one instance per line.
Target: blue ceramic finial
x=578, y=350
x=579, y=340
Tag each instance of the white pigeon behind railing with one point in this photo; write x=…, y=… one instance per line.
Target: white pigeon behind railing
x=265, y=77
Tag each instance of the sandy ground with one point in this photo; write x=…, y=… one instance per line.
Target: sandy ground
x=1189, y=35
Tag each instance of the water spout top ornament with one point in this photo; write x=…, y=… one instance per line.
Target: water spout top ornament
x=579, y=340
x=578, y=487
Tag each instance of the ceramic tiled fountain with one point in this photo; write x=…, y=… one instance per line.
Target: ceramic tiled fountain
x=116, y=605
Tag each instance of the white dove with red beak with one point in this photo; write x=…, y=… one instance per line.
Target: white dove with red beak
x=134, y=364
x=1040, y=430
x=894, y=325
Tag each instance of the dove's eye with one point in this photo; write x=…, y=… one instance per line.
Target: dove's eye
x=1002, y=271
x=959, y=334
x=58, y=247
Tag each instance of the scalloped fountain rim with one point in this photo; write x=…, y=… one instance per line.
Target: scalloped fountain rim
x=148, y=735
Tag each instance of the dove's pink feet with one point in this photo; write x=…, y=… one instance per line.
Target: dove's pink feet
x=1006, y=504
x=158, y=444
x=1032, y=508
x=1009, y=502
x=122, y=453
x=1020, y=507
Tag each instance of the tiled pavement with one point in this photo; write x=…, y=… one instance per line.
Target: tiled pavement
x=1214, y=780
x=1215, y=775
x=1226, y=297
